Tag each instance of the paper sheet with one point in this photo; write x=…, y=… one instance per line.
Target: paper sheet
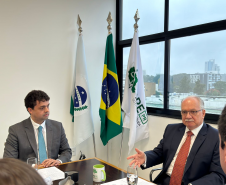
x=52, y=172
x=124, y=182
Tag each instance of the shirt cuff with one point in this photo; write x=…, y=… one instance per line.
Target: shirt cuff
x=144, y=164
x=59, y=160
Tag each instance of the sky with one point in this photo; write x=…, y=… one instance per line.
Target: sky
x=188, y=54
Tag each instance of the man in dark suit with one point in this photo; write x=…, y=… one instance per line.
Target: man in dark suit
x=38, y=136
x=189, y=151
x=222, y=136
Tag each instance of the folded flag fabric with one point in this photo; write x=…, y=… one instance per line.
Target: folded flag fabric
x=110, y=109
x=134, y=105
x=80, y=98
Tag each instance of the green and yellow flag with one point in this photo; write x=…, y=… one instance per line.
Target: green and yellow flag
x=110, y=109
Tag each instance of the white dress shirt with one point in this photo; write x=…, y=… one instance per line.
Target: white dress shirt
x=35, y=126
x=193, y=137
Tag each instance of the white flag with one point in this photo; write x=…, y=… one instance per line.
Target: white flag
x=80, y=98
x=133, y=104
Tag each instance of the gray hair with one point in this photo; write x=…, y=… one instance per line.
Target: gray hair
x=201, y=102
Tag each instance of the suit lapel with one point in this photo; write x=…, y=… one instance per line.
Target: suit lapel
x=29, y=129
x=198, y=142
x=49, y=136
x=178, y=134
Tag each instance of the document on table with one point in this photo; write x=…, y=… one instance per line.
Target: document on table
x=52, y=172
x=124, y=182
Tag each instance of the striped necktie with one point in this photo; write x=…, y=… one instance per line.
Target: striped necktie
x=41, y=145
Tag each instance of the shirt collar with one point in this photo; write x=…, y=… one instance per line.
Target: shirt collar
x=194, y=131
x=36, y=125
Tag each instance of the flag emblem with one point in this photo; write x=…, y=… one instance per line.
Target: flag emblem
x=110, y=91
x=80, y=100
x=133, y=79
x=80, y=96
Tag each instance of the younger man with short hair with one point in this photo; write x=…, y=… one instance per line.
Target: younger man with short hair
x=38, y=136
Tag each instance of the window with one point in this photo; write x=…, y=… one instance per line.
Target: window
x=182, y=54
x=192, y=12
x=150, y=11
x=153, y=66
x=196, y=66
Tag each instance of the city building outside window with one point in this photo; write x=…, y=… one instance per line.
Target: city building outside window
x=183, y=46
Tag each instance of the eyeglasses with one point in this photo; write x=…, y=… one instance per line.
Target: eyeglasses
x=192, y=113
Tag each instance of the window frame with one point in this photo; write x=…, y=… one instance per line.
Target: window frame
x=166, y=36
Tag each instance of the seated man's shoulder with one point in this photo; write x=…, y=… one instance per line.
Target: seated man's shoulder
x=54, y=124
x=212, y=129
x=20, y=124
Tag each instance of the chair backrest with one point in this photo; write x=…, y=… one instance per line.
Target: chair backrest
x=152, y=171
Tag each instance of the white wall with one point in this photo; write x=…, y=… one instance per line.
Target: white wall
x=37, y=51
x=38, y=41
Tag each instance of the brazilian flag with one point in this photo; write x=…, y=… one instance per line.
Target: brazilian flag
x=110, y=109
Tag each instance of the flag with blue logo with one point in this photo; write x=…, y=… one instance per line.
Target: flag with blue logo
x=110, y=109
x=80, y=98
x=133, y=104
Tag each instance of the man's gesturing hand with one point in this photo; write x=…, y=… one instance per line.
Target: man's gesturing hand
x=138, y=158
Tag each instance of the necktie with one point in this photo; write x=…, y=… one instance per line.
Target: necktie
x=41, y=145
x=178, y=169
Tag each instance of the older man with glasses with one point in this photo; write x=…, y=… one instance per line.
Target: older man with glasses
x=189, y=150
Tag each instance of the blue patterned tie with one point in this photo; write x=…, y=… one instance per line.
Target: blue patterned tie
x=41, y=145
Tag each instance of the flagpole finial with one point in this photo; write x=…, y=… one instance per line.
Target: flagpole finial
x=136, y=17
x=79, y=22
x=109, y=20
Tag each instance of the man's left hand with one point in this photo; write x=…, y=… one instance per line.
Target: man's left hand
x=50, y=162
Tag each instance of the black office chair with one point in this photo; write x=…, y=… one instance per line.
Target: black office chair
x=152, y=171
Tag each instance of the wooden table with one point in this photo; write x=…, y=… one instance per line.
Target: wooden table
x=85, y=169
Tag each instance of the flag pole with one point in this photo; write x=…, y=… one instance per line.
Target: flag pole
x=109, y=20
x=94, y=146
x=107, y=152
x=79, y=22
x=120, y=154
x=136, y=17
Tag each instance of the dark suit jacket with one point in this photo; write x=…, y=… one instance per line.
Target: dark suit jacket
x=21, y=142
x=203, y=163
